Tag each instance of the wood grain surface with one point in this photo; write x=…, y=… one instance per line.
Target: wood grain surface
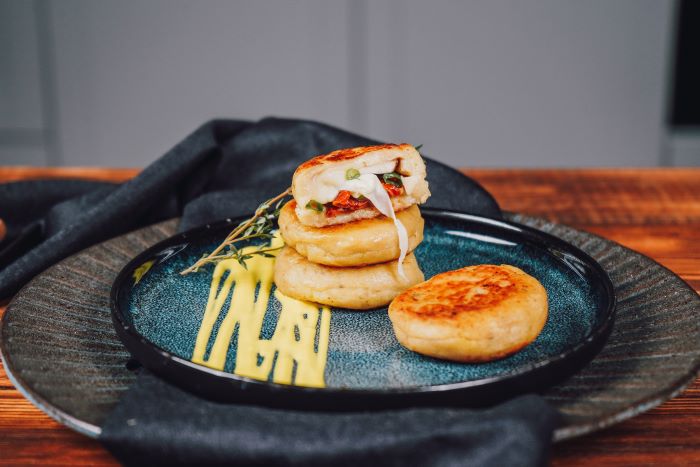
x=654, y=211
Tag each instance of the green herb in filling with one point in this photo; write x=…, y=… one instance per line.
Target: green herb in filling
x=315, y=205
x=352, y=174
x=393, y=178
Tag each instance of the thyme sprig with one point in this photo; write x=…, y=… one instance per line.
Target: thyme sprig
x=259, y=226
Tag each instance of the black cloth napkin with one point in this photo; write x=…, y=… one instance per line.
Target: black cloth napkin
x=224, y=169
x=159, y=423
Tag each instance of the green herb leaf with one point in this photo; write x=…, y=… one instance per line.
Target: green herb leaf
x=260, y=226
x=418, y=147
x=352, y=174
x=393, y=178
x=314, y=205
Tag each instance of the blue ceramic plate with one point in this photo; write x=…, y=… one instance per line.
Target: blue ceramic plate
x=157, y=314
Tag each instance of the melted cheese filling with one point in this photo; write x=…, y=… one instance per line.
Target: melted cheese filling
x=371, y=188
x=330, y=182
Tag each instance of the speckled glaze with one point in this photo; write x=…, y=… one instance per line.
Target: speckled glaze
x=59, y=346
x=166, y=309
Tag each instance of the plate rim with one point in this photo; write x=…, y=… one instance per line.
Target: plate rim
x=570, y=430
x=655, y=399
x=598, y=333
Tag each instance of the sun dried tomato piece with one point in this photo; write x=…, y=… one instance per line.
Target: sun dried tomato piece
x=393, y=190
x=345, y=200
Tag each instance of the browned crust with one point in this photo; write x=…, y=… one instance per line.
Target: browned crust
x=451, y=294
x=474, y=314
x=346, y=154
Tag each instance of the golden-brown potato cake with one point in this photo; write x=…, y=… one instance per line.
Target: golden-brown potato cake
x=474, y=314
x=367, y=241
x=358, y=288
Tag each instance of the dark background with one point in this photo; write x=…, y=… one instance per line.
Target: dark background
x=685, y=108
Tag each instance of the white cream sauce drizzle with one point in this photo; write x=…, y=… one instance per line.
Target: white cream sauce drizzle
x=370, y=187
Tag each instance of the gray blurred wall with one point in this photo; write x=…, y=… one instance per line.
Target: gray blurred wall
x=478, y=83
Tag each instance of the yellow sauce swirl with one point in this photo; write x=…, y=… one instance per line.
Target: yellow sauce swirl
x=291, y=355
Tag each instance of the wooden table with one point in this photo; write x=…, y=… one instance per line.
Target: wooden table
x=654, y=211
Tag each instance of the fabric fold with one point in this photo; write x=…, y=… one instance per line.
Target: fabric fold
x=157, y=422
x=226, y=168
